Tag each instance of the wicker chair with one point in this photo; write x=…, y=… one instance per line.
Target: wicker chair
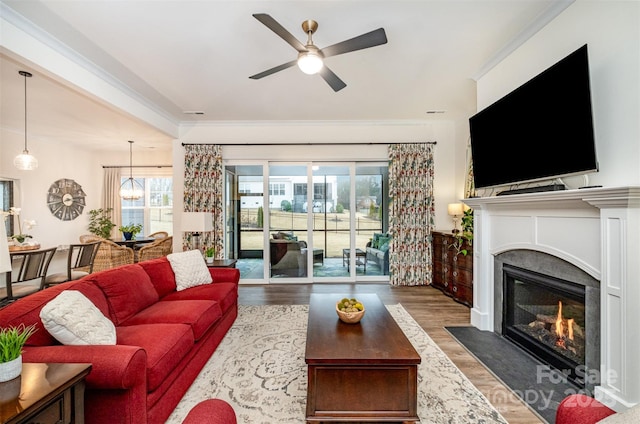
x=157, y=235
x=157, y=249
x=110, y=255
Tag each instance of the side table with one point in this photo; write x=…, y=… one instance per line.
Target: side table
x=222, y=263
x=45, y=393
x=361, y=257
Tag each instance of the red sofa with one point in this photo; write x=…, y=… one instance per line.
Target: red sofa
x=164, y=337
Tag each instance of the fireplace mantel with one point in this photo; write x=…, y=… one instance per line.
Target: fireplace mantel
x=597, y=230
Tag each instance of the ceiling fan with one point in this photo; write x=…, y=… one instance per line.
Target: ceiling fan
x=310, y=58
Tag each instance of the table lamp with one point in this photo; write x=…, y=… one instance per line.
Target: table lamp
x=197, y=223
x=456, y=211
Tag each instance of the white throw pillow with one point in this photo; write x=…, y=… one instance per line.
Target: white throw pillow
x=74, y=320
x=189, y=268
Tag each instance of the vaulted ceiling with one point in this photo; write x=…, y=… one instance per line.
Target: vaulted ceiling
x=171, y=57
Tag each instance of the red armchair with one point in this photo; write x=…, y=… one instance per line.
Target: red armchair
x=211, y=411
x=581, y=409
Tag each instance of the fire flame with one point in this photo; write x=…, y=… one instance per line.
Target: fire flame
x=559, y=328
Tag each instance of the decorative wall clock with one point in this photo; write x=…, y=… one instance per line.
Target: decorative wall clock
x=65, y=199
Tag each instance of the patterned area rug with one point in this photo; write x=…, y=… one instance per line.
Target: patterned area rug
x=259, y=369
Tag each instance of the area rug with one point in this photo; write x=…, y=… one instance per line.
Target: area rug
x=259, y=369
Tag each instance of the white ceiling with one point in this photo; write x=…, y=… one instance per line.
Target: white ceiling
x=176, y=56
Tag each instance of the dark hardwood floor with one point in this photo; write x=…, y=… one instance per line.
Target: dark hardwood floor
x=430, y=308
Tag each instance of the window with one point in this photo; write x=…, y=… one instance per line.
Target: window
x=276, y=189
x=244, y=188
x=6, y=201
x=154, y=210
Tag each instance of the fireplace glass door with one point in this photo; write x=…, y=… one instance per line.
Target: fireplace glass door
x=546, y=316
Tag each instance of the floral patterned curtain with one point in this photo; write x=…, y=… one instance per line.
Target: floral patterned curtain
x=411, y=213
x=203, y=188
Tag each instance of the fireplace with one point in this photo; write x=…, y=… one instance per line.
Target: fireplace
x=531, y=289
x=545, y=316
x=591, y=235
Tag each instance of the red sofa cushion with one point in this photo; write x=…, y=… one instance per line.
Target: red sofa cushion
x=128, y=289
x=165, y=344
x=225, y=294
x=161, y=275
x=199, y=314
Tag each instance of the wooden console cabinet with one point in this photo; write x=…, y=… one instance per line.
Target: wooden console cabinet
x=452, y=273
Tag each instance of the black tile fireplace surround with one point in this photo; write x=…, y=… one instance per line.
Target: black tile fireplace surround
x=580, y=297
x=546, y=317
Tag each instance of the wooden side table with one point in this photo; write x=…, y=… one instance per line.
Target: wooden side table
x=45, y=393
x=223, y=263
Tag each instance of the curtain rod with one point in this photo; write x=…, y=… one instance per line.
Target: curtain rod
x=304, y=144
x=136, y=166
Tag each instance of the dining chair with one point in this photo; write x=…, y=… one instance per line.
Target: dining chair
x=29, y=270
x=110, y=255
x=79, y=263
x=157, y=249
x=157, y=235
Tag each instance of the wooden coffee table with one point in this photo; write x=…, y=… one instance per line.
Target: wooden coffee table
x=359, y=372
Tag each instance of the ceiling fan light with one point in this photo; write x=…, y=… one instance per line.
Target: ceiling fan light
x=25, y=161
x=310, y=62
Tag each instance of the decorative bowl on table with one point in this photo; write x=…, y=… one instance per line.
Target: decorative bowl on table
x=350, y=311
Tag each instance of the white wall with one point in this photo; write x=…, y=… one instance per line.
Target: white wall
x=611, y=29
x=56, y=161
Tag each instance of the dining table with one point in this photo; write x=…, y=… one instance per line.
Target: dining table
x=134, y=242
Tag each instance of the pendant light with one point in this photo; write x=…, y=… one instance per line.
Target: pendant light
x=25, y=161
x=131, y=189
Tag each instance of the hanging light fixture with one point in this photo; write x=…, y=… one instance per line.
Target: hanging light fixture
x=131, y=189
x=25, y=161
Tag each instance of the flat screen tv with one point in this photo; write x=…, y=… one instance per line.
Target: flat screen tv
x=540, y=131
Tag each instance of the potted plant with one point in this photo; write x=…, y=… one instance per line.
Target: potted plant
x=465, y=235
x=209, y=254
x=100, y=222
x=12, y=341
x=129, y=231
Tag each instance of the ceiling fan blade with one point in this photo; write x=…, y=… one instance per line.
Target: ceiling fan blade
x=364, y=41
x=332, y=79
x=274, y=70
x=274, y=26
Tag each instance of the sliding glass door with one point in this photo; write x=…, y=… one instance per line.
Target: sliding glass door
x=288, y=222
x=306, y=222
x=244, y=209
